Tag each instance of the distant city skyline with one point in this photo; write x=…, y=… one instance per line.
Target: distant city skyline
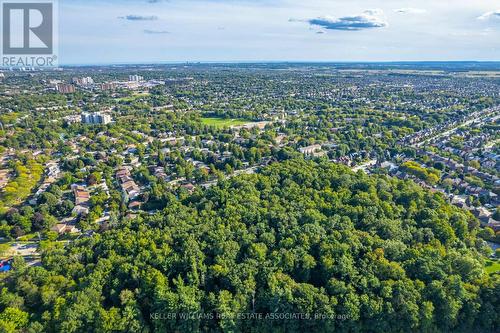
x=155, y=31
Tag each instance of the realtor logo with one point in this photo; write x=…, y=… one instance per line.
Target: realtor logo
x=28, y=29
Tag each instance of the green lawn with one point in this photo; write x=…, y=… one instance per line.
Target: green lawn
x=221, y=122
x=132, y=98
x=492, y=266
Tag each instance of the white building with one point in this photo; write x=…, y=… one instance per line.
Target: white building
x=96, y=118
x=84, y=81
x=135, y=78
x=313, y=150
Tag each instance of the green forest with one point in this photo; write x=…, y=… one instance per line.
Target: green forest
x=300, y=246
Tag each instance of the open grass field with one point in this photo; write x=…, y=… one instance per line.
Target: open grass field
x=221, y=122
x=133, y=97
x=492, y=266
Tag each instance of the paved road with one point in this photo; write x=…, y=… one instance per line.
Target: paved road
x=24, y=249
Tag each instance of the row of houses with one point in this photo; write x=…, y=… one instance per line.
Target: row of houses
x=4, y=177
x=486, y=219
x=312, y=151
x=130, y=189
x=52, y=173
x=65, y=228
x=82, y=198
x=484, y=215
x=463, y=185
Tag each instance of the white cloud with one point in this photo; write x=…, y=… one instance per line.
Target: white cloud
x=372, y=18
x=155, y=32
x=139, y=18
x=490, y=15
x=410, y=11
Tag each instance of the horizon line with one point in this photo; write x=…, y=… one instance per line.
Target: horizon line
x=262, y=62
x=190, y=62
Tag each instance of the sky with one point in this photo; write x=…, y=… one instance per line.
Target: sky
x=149, y=31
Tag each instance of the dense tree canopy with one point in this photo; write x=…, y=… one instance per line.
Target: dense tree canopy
x=310, y=246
